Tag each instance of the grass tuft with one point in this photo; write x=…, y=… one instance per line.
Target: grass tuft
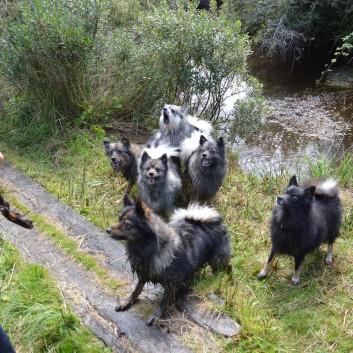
x=33, y=311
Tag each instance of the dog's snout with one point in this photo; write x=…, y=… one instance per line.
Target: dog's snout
x=109, y=230
x=113, y=159
x=204, y=155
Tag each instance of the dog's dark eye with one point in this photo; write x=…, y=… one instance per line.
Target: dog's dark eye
x=126, y=225
x=213, y=151
x=173, y=111
x=157, y=170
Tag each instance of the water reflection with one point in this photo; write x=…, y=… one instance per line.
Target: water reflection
x=307, y=123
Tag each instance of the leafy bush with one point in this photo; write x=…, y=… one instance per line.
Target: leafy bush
x=100, y=61
x=192, y=57
x=45, y=51
x=173, y=56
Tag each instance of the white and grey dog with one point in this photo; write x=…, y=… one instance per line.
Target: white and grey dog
x=175, y=125
x=206, y=164
x=159, y=179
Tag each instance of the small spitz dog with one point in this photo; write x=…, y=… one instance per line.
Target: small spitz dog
x=159, y=179
x=205, y=163
x=175, y=125
x=170, y=253
x=123, y=158
x=304, y=218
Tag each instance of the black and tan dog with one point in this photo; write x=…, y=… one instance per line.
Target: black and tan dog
x=123, y=157
x=170, y=253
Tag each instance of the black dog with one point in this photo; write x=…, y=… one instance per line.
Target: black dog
x=303, y=219
x=170, y=253
x=123, y=157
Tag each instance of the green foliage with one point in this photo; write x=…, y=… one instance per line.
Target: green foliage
x=192, y=55
x=341, y=52
x=33, y=311
x=289, y=28
x=45, y=50
x=99, y=62
x=339, y=168
x=245, y=119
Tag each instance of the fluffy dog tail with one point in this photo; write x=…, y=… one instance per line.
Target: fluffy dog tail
x=197, y=213
x=327, y=187
x=202, y=125
x=189, y=145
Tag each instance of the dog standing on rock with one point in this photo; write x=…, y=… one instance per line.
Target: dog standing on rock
x=304, y=218
x=170, y=253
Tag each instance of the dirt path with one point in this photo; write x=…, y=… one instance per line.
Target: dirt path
x=83, y=291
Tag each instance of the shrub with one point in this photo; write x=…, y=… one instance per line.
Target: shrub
x=192, y=57
x=45, y=51
x=96, y=62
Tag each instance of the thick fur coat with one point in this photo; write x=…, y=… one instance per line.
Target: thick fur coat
x=170, y=253
x=123, y=158
x=304, y=218
x=159, y=179
x=175, y=125
x=205, y=163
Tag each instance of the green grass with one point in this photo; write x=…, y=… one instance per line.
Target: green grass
x=68, y=245
x=33, y=311
x=315, y=316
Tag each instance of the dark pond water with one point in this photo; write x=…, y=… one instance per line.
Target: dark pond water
x=308, y=121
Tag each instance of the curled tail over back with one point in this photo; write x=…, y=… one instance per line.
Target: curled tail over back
x=327, y=187
x=197, y=213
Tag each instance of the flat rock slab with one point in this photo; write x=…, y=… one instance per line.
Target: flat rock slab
x=103, y=320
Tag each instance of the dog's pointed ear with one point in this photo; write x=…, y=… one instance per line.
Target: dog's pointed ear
x=106, y=145
x=164, y=158
x=293, y=181
x=140, y=208
x=128, y=200
x=144, y=157
x=310, y=191
x=126, y=143
x=203, y=139
x=220, y=142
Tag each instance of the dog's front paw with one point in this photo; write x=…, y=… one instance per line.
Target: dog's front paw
x=295, y=281
x=155, y=316
x=152, y=319
x=262, y=275
x=328, y=260
x=124, y=305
